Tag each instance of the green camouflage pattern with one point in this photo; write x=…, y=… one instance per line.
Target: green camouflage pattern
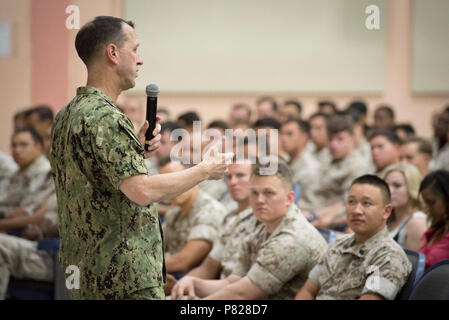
x=116, y=244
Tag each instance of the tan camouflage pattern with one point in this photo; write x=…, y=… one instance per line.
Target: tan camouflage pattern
x=7, y=168
x=348, y=270
x=227, y=249
x=279, y=263
x=204, y=222
x=440, y=159
x=215, y=188
x=305, y=169
x=336, y=179
x=21, y=259
x=29, y=188
x=116, y=244
x=323, y=156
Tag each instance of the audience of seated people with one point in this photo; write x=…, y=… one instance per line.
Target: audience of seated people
x=190, y=228
x=277, y=255
x=237, y=224
x=29, y=204
x=303, y=165
x=224, y=254
x=335, y=178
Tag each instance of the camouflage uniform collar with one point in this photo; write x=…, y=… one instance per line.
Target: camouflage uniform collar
x=92, y=90
x=361, y=249
x=292, y=213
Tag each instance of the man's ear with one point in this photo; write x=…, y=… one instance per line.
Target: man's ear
x=112, y=53
x=290, y=198
x=387, y=211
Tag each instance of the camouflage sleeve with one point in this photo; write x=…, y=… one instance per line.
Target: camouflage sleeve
x=387, y=273
x=207, y=222
x=320, y=273
x=217, y=249
x=117, y=149
x=277, y=262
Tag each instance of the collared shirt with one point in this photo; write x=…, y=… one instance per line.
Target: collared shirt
x=278, y=263
x=336, y=179
x=323, y=155
x=202, y=222
x=116, y=244
x=227, y=249
x=348, y=270
x=29, y=188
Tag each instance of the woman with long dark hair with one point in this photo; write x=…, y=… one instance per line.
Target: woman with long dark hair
x=435, y=192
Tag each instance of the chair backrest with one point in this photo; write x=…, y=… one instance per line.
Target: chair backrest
x=328, y=234
x=434, y=285
x=418, y=261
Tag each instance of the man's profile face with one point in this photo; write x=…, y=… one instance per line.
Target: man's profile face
x=129, y=58
x=237, y=180
x=341, y=145
x=366, y=209
x=269, y=198
x=318, y=132
x=410, y=153
x=292, y=138
x=24, y=150
x=384, y=152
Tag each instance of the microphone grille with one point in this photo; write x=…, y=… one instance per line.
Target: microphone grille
x=152, y=90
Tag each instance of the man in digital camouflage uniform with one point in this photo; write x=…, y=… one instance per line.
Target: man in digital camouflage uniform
x=109, y=227
x=367, y=264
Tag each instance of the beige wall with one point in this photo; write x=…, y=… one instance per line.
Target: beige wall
x=15, y=72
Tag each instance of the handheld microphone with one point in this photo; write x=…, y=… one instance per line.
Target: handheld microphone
x=152, y=91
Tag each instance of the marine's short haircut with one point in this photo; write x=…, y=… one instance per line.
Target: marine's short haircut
x=169, y=126
x=33, y=133
x=328, y=103
x=295, y=103
x=274, y=105
x=358, y=106
x=390, y=135
x=377, y=182
x=340, y=123
x=267, y=122
x=44, y=112
x=189, y=118
x=424, y=146
x=243, y=106
x=319, y=114
x=218, y=124
x=387, y=109
x=283, y=171
x=302, y=125
x=98, y=33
